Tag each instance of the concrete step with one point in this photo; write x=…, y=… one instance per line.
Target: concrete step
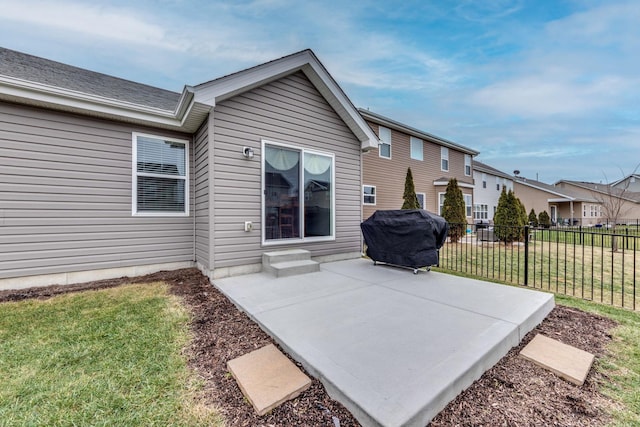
x=275, y=257
x=292, y=268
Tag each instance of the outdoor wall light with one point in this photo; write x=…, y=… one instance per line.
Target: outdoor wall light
x=247, y=152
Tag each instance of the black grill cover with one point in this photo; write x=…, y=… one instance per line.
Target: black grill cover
x=408, y=238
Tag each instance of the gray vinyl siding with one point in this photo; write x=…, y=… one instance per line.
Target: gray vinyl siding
x=65, y=197
x=290, y=111
x=201, y=190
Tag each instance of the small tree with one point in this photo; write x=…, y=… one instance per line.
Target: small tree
x=533, y=218
x=453, y=210
x=510, y=217
x=614, y=202
x=544, y=220
x=409, y=196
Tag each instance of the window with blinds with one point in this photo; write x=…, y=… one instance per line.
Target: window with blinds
x=160, y=176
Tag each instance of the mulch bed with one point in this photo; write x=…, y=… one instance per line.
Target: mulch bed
x=515, y=392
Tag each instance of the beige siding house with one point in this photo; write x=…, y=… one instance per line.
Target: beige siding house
x=602, y=200
x=433, y=162
x=564, y=204
x=101, y=177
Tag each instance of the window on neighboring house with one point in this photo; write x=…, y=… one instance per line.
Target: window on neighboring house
x=495, y=209
x=160, y=176
x=480, y=211
x=497, y=183
x=368, y=194
x=467, y=165
x=440, y=203
x=584, y=210
x=468, y=204
x=384, y=149
x=484, y=180
x=444, y=159
x=421, y=198
x=416, y=148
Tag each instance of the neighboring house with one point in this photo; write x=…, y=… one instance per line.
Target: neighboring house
x=433, y=162
x=102, y=177
x=620, y=197
x=565, y=206
x=489, y=183
x=630, y=183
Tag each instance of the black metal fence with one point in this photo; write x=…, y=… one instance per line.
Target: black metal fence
x=598, y=264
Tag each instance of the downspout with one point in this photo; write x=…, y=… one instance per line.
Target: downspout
x=192, y=190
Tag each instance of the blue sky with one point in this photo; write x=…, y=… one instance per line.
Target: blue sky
x=551, y=88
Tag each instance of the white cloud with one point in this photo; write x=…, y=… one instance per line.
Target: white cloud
x=546, y=95
x=85, y=19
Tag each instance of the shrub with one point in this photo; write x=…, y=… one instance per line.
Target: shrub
x=453, y=210
x=510, y=218
x=544, y=220
x=409, y=196
x=533, y=218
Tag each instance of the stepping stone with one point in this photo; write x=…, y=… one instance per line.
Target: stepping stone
x=267, y=378
x=566, y=361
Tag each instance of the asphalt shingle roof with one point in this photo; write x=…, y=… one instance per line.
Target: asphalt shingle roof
x=39, y=70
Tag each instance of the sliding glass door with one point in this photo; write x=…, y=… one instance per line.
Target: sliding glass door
x=298, y=195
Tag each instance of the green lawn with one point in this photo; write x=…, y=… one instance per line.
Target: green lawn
x=110, y=357
x=586, y=271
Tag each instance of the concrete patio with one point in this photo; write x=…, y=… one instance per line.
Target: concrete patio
x=393, y=347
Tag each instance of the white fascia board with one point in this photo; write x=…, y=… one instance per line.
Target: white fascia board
x=78, y=101
x=226, y=87
x=343, y=106
x=560, y=200
x=460, y=184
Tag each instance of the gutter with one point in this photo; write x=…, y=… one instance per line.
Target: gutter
x=32, y=93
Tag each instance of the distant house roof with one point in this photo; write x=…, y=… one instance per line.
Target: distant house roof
x=387, y=122
x=633, y=175
x=604, y=189
x=563, y=194
x=32, y=80
x=483, y=167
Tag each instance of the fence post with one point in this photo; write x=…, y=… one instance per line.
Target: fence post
x=526, y=255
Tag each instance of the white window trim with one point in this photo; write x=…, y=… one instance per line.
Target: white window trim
x=375, y=195
x=424, y=198
x=384, y=142
x=413, y=140
x=302, y=239
x=468, y=208
x=444, y=155
x=439, y=205
x=135, y=174
x=467, y=162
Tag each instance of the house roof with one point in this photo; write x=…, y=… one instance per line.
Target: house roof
x=46, y=72
x=483, y=167
x=387, y=122
x=444, y=181
x=32, y=80
x=633, y=175
x=604, y=189
x=562, y=194
x=218, y=90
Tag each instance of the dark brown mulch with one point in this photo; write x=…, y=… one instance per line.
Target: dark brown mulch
x=514, y=392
